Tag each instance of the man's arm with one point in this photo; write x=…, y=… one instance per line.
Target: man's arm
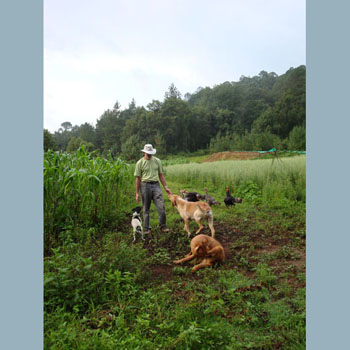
x=138, y=182
x=162, y=180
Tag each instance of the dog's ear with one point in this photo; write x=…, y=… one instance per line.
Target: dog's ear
x=197, y=249
x=204, y=247
x=201, y=249
x=137, y=209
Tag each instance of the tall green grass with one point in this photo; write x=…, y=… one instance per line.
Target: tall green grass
x=265, y=179
x=81, y=189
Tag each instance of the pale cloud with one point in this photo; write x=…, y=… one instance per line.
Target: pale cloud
x=95, y=63
x=98, y=53
x=79, y=87
x=71, y=100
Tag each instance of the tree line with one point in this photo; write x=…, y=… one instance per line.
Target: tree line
x=254, y=113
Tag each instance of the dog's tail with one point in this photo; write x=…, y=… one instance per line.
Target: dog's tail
x=210, y=216
x=206, y=212
x=203, y=211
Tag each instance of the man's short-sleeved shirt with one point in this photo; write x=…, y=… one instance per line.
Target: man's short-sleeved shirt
x=148, y=169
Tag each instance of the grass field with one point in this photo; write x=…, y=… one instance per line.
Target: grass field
x=265, y=179
x=104, y=292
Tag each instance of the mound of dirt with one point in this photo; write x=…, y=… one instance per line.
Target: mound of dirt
x=231, y=156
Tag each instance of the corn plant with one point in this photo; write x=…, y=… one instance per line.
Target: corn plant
x=81, y=189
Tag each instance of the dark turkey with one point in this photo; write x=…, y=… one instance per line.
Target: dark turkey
x=230, y=200
x=191, y=196
x=209, y=199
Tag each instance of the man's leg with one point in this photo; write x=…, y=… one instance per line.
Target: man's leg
x=146, y=196
x=159, y=203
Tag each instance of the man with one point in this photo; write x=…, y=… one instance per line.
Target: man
x=149, y=172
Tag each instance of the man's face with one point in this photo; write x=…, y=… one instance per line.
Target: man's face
x=148, y=156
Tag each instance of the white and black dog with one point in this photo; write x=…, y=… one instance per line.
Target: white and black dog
x=136, y=223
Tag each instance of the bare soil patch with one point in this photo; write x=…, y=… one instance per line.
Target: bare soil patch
x=161, y=273
x=249, y=247
x=231, y=156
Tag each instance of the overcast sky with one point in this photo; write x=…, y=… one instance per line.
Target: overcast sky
x=100, y=52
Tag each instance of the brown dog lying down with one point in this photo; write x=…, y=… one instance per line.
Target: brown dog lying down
x=193, y=211
x=206, y=249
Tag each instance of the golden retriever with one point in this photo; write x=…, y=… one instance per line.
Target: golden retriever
x=193, y=211
x=205, y=248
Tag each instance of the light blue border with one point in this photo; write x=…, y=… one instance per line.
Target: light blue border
x=328, y=208
x=21, y=207
x=328, y=130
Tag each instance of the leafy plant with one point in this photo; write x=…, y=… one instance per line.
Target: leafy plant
x=81, y=190
x=161, y=256
x=264, y=274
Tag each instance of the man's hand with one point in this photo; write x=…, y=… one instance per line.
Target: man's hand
x=162, y=180
x=137, y=197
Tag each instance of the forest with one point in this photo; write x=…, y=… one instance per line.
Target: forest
x=254, y=113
